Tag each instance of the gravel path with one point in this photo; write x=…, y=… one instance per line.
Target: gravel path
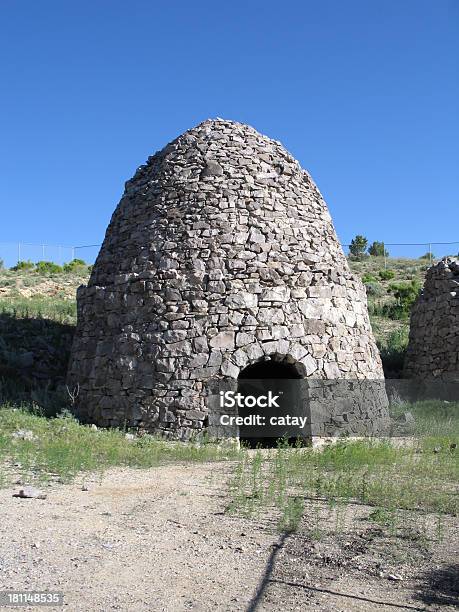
x=139, y=540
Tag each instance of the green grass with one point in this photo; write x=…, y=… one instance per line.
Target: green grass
x=404, y=269
x=63, y=448
x=39, y=307
x=404, y=480
x=436, y=421
x=392, y=347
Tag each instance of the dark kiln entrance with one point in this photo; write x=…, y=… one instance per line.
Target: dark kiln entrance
x=263, y=379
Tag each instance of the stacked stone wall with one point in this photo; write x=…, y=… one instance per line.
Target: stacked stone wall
x=433, y=349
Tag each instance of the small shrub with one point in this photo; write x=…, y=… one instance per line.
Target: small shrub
x=389, y=310
x=75, y=265
x=382, y=516
x=386, y=274
x=7, y=282
x=427, y=256
x=23, y=265
x=1, y=264
x=369, y=278
x=405, y=294
x=47, y=267
x=374, y=289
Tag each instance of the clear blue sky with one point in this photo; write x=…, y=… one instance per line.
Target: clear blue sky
x=365, y=93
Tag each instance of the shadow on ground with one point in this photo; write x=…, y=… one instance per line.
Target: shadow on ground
x=295, y=574
x=441, y=586
x=34, y=354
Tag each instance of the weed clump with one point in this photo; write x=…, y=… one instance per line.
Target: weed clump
x=413, y=480
x=386, y=274
x=369, y=278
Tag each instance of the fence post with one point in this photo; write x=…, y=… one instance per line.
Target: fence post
x=384, y=253
x=430, y=253
x=73, y=253
x=43, y=251
x=19, y=252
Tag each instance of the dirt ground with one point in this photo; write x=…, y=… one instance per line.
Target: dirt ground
x=160, y=540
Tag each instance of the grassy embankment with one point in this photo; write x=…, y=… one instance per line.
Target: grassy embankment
x=389, y=312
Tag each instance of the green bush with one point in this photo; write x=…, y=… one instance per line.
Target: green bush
x=369, y=278
x=47, y=267
x=427, y=256
x=385, y=309
x=386, y=274
x=406, y=293
x=23, y=265
x=399, y=309
x=75, y=265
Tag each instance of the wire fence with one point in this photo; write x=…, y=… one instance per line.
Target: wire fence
x=12, y=252
x=427, y=251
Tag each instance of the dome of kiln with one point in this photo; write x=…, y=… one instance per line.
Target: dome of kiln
x=251, y=176
x=220, y=254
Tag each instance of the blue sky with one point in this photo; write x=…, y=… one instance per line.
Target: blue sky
x=363, y=93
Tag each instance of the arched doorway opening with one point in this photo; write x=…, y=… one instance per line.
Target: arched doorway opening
x=275, y=387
